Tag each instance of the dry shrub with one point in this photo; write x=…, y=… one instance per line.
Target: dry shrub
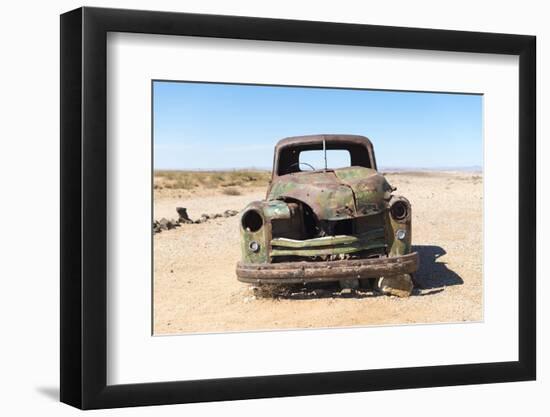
x=231, y=191
x=188, y=180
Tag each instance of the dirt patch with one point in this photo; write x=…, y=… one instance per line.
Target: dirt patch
x=196, y=290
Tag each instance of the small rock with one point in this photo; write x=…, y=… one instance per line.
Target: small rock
x=156, y=227
x=163, y=224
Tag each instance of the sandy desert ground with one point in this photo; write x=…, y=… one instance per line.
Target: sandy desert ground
x=196, y=290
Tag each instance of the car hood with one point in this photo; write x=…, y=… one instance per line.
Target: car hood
x=335, y=194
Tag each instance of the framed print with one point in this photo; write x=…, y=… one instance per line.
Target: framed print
x=258, y=207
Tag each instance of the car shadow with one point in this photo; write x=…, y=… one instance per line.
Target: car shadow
x=433, y=274
x=432, y=277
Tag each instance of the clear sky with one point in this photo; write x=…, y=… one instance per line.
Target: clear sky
x=224, y=126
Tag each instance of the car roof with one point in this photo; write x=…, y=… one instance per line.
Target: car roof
x=331, y=138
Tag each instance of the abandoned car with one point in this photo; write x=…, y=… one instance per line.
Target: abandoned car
x=321, y=223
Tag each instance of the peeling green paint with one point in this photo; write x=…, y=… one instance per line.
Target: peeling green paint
x=335, y=195
x=329, y=245
x=370, y=188
x=331, y=241
x=341, y=250
x=276, y=209
x=261, y=256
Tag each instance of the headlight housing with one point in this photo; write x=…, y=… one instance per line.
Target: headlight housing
x=400, y=210
x=252, y=221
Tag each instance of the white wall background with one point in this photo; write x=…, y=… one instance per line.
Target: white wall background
x=29, y=166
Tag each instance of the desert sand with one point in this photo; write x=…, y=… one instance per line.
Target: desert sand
x=196, y=289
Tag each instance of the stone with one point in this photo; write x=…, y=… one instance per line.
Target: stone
x=229, y=213
x=396, y=285
x=163, y=223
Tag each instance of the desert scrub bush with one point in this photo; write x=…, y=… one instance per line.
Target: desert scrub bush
x=184, y=183
x=212, y=179
x=231, y=191
x=232, y=184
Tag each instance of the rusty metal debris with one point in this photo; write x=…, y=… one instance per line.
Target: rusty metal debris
x=328, y=224
x=183, y=216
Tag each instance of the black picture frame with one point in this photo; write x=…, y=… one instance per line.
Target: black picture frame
x=84, y=207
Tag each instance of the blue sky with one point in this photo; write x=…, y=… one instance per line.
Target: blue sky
x=225, y=126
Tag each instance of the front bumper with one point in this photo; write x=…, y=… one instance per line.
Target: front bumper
x=303, y=272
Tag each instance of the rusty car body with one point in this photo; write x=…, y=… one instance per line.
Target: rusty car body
x=321, y=224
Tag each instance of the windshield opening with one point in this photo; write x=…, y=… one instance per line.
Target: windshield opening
x=315, y=159
x=309, y=157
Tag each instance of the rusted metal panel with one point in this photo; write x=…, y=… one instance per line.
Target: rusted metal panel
x=276, y=209
x=351, y=142
x=302, y=272
x=335, y=195
x=261, y=237
x=322, y=191
x=335, y=250
x=315, y=139
x=371, y=190
x=328, y=240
